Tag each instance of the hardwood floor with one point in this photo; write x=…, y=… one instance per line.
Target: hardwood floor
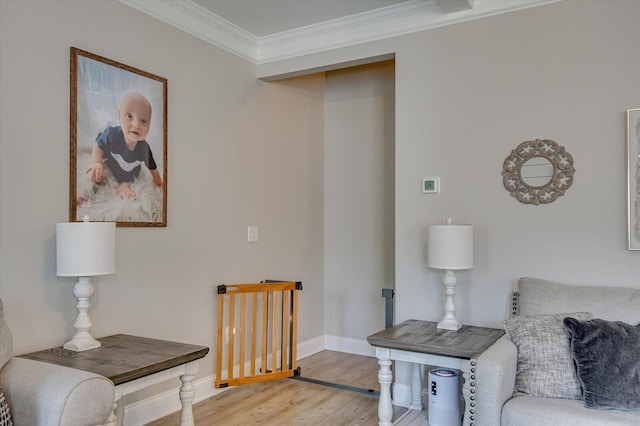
x=345, y=369
x=294, y=402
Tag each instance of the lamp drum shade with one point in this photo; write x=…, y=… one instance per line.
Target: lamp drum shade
x=85, y=249
x=450, y=247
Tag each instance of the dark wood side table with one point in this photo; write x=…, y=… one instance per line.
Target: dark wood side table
x=133, y=363
x=422, y=343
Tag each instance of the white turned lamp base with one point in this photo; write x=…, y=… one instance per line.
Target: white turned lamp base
x=450, y=325
x=79, y=345
x=82, y=340
x=449, y=321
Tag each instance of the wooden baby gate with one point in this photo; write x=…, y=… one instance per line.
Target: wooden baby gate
x=259, y=321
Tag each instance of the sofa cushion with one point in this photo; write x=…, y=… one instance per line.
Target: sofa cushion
x=539, y=297
x=528, y=411
x=607, y=357
x=545, y=366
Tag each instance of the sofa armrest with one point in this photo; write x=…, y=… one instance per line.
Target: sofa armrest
x=496, y=377
x=39, y=393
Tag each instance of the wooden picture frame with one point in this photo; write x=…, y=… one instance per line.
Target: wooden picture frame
x=633, y=184
x=118, y=149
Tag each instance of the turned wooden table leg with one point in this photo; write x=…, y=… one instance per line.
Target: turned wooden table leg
x=416, y=387
x=188, y=393
x=385, y=377
x=117, y=400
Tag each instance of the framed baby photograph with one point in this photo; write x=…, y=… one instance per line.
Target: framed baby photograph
x=633, y=185
x=118, y=152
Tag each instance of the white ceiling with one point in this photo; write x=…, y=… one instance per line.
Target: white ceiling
x=263, y=31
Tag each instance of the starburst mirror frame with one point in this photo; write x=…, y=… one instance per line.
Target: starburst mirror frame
x=538, y=171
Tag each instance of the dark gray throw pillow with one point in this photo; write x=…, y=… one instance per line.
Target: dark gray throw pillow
x=607, y=357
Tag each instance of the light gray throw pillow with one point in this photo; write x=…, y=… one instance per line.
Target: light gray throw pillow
x=6, y=342
x=545, y=364
x=5, y=416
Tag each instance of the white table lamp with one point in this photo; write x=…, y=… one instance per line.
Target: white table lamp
x=450, y=247
x=85, y=249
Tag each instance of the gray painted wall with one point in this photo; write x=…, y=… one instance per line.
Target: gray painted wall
x=466, y=95
x=359, y=198
x=241, y=152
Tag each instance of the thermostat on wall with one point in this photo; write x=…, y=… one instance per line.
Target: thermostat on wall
x=431, y=185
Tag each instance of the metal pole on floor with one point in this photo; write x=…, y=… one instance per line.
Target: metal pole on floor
x=388, y=294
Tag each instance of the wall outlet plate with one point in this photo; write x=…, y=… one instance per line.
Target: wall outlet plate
x=431, y=185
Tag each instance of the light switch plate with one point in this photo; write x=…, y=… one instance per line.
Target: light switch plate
x=431, y=185
x=252, y=234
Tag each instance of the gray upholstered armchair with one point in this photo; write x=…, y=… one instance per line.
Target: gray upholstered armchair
x=40, y=394
x=498, y=404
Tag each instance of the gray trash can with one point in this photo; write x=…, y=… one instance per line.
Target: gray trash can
x=444, y=397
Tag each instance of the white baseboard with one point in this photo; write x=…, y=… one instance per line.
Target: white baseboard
x=165, y=403
x=350, y=346
x=310, y=347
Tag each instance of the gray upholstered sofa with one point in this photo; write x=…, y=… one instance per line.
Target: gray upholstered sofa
x=496, y=372
x=42, y=394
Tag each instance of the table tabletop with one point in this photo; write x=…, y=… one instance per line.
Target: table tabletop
x=424, y=337
x=123, y=358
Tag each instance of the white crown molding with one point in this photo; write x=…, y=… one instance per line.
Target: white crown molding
x=342, y=32
x=403, y=18
x=395, y=20
x=199, y=22
x=450, y=6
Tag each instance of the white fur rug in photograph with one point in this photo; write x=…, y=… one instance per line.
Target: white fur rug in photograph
x=102, y=204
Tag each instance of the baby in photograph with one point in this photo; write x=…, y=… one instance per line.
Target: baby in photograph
x=124, y=149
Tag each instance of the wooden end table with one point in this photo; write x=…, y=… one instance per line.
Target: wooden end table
x=422, y=343
x=133, y=363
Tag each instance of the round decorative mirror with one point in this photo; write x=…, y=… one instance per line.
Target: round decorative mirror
x=538, y=171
